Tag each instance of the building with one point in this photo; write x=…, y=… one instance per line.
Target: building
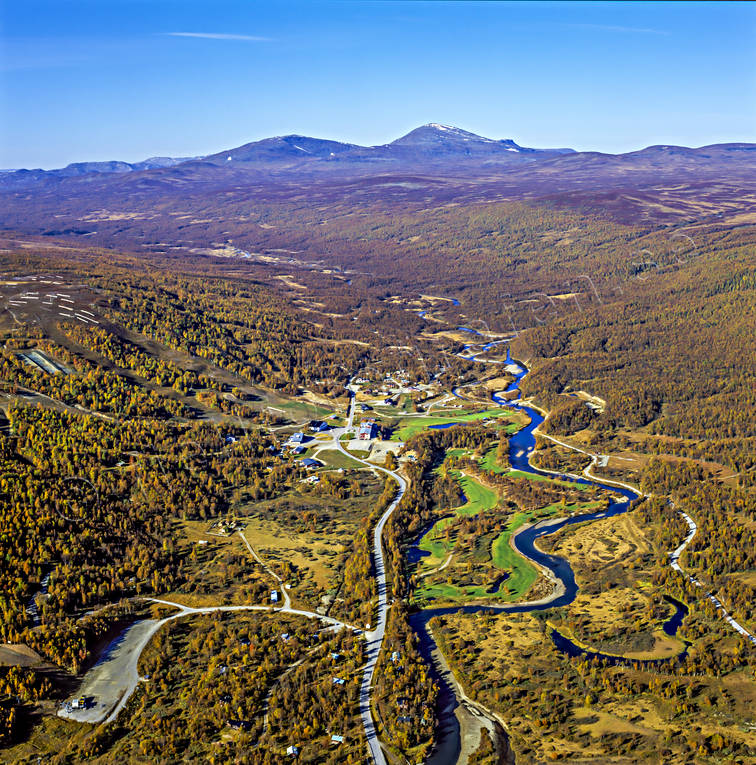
x=367, y=430
x=310, y=463
x=274, y=596
x=292, y=750
x=297, y=438
x=318, y=426
x=336, y=739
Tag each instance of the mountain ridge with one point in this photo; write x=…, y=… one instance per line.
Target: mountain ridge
x=431, y=138
x=431, y=148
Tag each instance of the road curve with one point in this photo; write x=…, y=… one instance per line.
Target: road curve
x=126, y=656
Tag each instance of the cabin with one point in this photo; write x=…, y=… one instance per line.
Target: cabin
x=338, y=681
x=310, y=463
x=336, y=739
x=274, y=596
x=318, y=426
x=297, y=438
x=292, y=750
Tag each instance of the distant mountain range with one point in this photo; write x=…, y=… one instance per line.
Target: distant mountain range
x=112, y=166
x=192, y=200
x=431, y=144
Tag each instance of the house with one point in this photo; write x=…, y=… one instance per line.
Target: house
x=274, y=596
x=230, y=440
x=299, y=450
x=367, y=431
x=297, y=438
x=336, y=739
x=339, y=681
x=395, y=656
x=365, y=408
x=293, y=751
x=318, y=426
x=310, y=463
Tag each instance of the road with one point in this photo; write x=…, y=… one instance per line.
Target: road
x=115, y=677
x=374, y=638
x=674, y=558
x=113, y=680
x=287, y=599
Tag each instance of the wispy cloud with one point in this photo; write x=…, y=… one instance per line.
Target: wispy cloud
x=219, y=36
x=616, y=28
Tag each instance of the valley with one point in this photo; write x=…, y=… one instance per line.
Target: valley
x=352, y=465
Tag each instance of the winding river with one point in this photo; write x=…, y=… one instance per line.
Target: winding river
x=521, y=446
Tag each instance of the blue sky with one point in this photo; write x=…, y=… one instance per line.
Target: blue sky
x=128, y=79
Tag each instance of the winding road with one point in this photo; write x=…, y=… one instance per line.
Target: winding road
x=114, y=678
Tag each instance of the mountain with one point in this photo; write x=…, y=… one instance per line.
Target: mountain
x=193, y=202
x=287, y=149
x=85, y=168
x=431, y=147
x=434, y=138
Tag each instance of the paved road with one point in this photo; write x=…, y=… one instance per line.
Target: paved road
x=374, y=638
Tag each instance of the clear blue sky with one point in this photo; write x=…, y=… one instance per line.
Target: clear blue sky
x=128, y=79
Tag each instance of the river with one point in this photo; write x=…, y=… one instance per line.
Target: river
x=521, y=446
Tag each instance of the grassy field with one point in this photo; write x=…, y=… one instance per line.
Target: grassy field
x=490, y=550
x=479, y=498
x=336, y=459
x=523, y=574
x=489, y=462
x=408, y=427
